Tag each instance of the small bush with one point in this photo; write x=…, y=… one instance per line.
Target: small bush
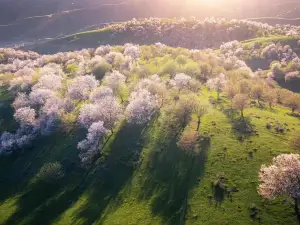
x=254, y=211
x=169, y=68
x=295, y=141
x=101, y=69
x=50, y=172
x=71, y=69
x=279, y=128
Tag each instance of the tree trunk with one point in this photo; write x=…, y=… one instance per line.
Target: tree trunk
x=296, y=207
x=242, y=114
x=198, y=125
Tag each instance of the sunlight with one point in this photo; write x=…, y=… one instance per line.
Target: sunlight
x=212, y=1
x=209, y=2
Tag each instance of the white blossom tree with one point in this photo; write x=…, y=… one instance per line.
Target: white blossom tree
x=218, y=83
x=22, y=80
x=7, y=143
x=133, y=51
x=100, y=93
x=51, y=69
x=21, y=101
x=110, y=112
x=81, y=87
x=114, y=80
x=89, y=147
x=39, y=96
x=25, y=116
x=141, y=107
x=107, y=110
x=49, y=81
x=103, y=50
x=281, y=179
x=181, y=81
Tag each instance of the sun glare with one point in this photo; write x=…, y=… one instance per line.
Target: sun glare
x=209, y=2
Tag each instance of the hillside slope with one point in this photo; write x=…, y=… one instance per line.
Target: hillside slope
x=188, y=33
x=145, y=134
x=30, y=20
x=150, y=194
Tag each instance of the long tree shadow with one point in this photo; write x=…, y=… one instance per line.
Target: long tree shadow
x=35, y=198
x=172, y=174
x=42, y=203
x=107, y=180
x=39, y=205
x=241, y=126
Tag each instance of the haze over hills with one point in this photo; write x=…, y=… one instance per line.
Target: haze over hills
x=149, y=121
x=28, y=20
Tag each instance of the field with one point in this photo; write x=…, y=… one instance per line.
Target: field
x=166, y=187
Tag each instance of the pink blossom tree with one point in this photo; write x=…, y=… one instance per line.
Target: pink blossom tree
x=281, y=179
x=107, y=110
x=25, y=116
x=133, y=51
x=218, y=83
x=181, y=81
x=81, y=87
x=141, y=107
x=89, y=147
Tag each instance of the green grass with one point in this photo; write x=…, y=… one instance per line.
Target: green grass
x=277, y=20
x=260, y=43
x=267, y=40
x=166, y=187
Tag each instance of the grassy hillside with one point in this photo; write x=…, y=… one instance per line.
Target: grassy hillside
x=31, y=20
x=168, y=187
x=277, y=20
x=187, y=33
x=141, y=174
x=259, y=44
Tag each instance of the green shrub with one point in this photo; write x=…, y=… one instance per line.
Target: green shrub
x=181, y=59
x=192, y=69
x=295, y=141
x=170, y=67
x=50, y=172
x=71, y=68
x=100, y=69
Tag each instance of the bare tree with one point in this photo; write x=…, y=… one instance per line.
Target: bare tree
x=240, y=102
x=257, y=92
x=270, y=96
x=200, y=111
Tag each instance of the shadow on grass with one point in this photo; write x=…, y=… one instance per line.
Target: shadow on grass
x=296, y=115
x=219, y=195
x=172, y=174
x=39, y=202
x=241, y=127
x=42, y=204
x=106, y=181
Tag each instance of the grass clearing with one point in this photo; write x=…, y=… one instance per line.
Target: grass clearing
x=166, y=187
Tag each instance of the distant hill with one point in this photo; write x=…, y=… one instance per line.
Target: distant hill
x=187, y=33
x=30, y=20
